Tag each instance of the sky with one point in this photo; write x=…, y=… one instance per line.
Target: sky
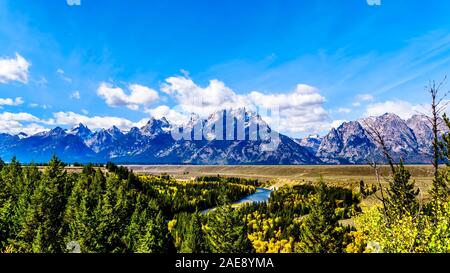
x=117, y=62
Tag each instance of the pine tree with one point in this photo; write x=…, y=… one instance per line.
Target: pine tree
x=440, y=188
x=80, y=214
x=43, y=229
x=113, y=213
x=402, y=194
x=145, y=210
x=226, y=231
x=156, y=238
x=319, y=231
x=11, y=180
x=194, y=241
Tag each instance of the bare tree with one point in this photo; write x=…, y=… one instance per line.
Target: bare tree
x=402, y=193
x=377, y=137
x=438, y=106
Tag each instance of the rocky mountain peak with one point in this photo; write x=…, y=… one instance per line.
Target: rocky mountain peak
x=115, y=132
x=81, y=130
x=156, y=127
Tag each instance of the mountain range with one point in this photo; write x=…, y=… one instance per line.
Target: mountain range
x=350, y=143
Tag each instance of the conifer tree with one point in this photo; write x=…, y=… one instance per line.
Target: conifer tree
x=226, y=231
x=156, y=238
x=112, y=213
x=43, y=228
x=440, y=188
x=194, y=241
x=402, y=194
x=319, y=231
x=80, y=214
x=145, y=210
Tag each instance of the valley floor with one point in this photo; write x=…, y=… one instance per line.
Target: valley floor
x=284, y=174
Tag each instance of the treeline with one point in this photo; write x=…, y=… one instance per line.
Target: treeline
x=117, y=211
x=53, y=211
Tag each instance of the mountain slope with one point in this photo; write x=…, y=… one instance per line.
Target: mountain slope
x=226, y=137
x=352, y=142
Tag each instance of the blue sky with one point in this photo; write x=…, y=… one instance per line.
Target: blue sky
x=116, y=62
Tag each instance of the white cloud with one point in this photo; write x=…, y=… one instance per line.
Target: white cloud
x=15, y=69
x=63, y=75
x=401, y=108
x=15, y=127
x=303, y=96
x=362, y=98
x=12, y=123
x=115, y=96
x=300, y=111
x=19, y=117
x=173, y=116
x=15, y=123
x=344, y=110
x=75, y=95
x=192, y=98
x=336, y=123
x=95, y=122
x=11, y=102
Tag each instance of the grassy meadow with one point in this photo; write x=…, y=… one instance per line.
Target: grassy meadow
x=280, y=175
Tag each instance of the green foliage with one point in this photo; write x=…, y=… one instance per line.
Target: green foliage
x=440, y=188
x=156, y=237
x=226, y=231
x=43, y=228
x=194, y=241
x=320, y=231
x=117, y=211
x=402, y=194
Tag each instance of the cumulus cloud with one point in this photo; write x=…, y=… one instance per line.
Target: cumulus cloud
x=14, y=123
x=14, y=69
x=15, y=127
x=303, y=96
x=401, y=108
x=11, y=102
x=173, y=116
x=19, y=117
x=94, y=122
x=203, y=101
x=299, y=111
x=116, y=96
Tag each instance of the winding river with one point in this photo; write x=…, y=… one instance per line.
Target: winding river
x=261, y=195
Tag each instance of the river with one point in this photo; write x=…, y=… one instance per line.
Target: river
x=261, y=195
